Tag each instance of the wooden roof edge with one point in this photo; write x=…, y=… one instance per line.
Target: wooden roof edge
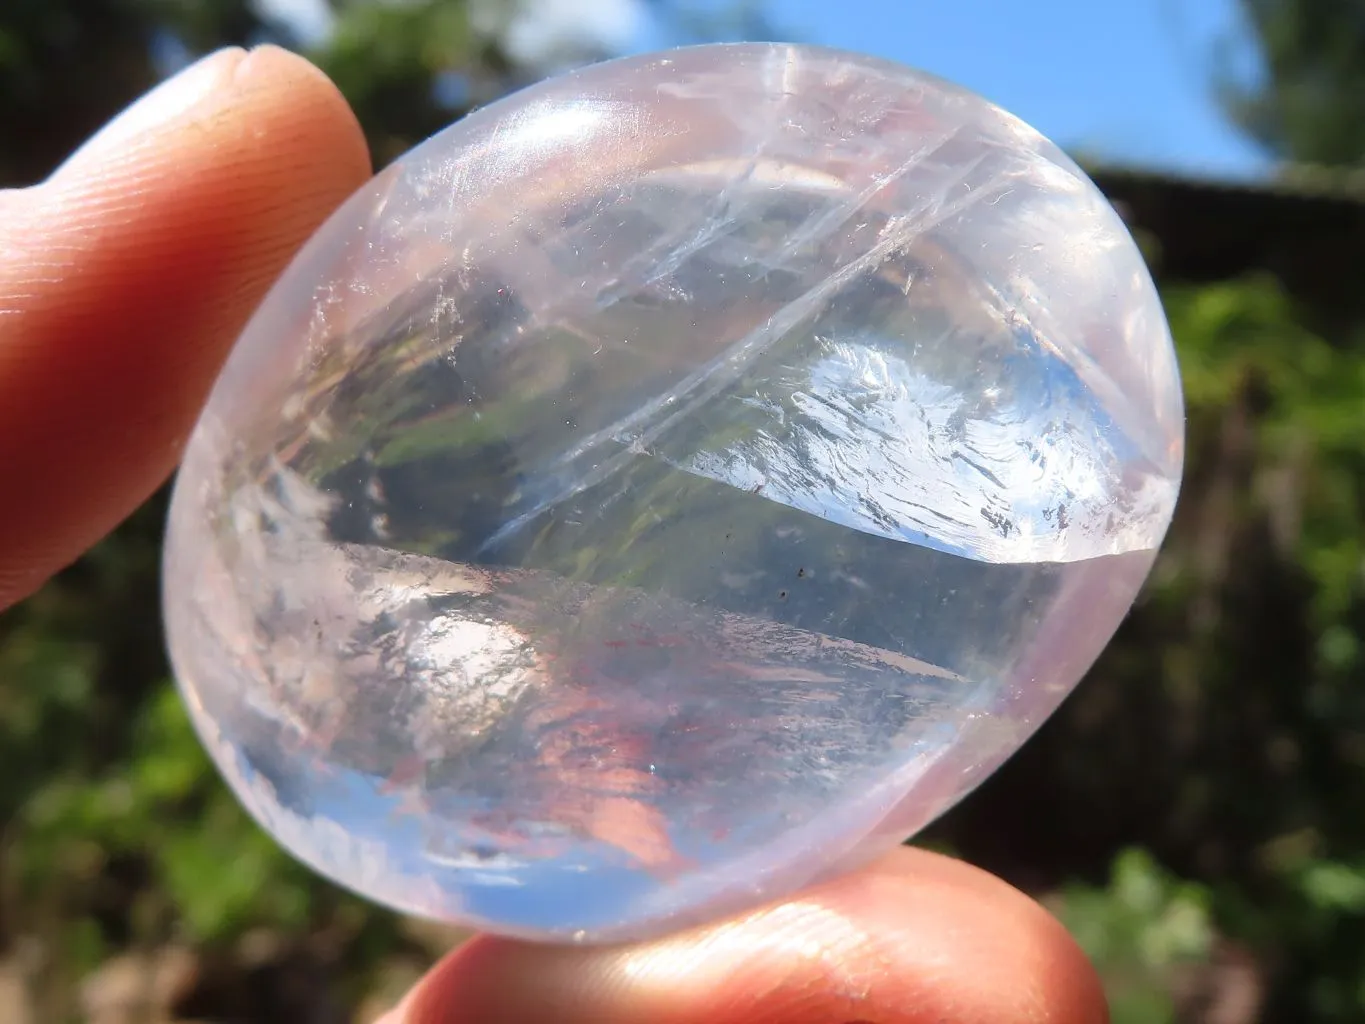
x=1289, y=181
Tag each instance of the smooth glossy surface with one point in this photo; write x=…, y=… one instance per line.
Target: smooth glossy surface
x=669, y=486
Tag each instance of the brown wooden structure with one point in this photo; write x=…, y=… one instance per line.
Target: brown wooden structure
x=1307, y=228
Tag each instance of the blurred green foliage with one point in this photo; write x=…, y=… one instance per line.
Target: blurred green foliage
x=1137, y=929
x=118, y=834
x=1197, y=811
x=1304, y=98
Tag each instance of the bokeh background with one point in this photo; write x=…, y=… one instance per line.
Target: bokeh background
x=1195, y=813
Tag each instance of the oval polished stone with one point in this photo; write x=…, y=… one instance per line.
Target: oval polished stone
x=673, y=484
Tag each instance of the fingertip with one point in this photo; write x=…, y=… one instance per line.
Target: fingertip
x=205, y=96
x=322, y=114
x=125, y=278
x=155, y=113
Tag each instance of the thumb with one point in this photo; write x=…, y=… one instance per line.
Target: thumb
x=914, y=938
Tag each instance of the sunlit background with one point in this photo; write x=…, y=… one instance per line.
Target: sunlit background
x=1195, y=813
x=1130, y=81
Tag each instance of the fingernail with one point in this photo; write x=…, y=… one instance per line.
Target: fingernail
x=168, y=102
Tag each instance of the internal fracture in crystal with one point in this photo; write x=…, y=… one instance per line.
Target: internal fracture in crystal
x=668, y=486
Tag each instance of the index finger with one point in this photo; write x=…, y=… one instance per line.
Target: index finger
x=125, y=278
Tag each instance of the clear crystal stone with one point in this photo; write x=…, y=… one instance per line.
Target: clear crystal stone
x=668, y=486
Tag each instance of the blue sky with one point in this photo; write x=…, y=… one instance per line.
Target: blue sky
x=1124, y=79
x=1129, y=81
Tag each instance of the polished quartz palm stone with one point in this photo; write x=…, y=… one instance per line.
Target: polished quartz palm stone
x=667, y=487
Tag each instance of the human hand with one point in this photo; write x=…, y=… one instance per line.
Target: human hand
x=125, y=278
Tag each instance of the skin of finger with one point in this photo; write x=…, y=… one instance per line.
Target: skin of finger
x=124, y=280
x=916, y=938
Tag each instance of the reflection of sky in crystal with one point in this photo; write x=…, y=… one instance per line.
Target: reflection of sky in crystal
x=1031, y=471
x=594, y=890
x=584, y=888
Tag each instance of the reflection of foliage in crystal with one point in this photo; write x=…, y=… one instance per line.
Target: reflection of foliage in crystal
x=442, y=432
x=448, y=468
